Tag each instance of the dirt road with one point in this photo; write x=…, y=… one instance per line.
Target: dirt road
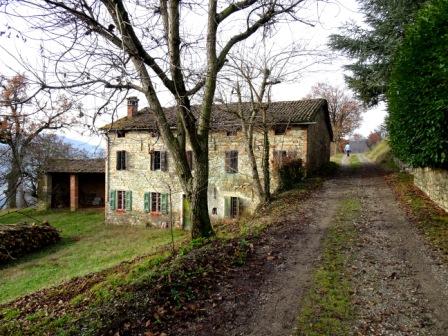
x=400, y=287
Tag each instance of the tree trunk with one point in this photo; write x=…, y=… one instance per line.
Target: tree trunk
x=248, y=133
x=11, y=191
x=265, y=164
x=200, y=219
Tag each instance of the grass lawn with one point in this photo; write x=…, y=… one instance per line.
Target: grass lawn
x=88, y=245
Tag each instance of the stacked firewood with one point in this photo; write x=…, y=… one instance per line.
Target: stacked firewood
x=19, y=239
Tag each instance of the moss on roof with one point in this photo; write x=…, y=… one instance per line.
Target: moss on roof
x=75, y=166
x=223, y=116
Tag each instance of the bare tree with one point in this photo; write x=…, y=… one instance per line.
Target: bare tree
x=345, y=111
x=25, y=118
x=150, y=45
x=250, y=76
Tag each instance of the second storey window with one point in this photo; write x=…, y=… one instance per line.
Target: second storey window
x=189, y=155
x=159, y=160
x=231, y=162
x=121, y=160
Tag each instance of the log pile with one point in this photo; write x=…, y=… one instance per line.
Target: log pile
x=22, y=238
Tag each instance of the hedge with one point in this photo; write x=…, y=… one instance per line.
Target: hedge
x=418, y=91
x=19, y=239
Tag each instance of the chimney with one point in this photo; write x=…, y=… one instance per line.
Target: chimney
x=132, y=106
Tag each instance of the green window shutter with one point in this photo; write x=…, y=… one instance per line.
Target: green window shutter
x=163, y=161
x=124, y=160
x=112, y=202
x=227, y=162
x=238, y=207
x=128, y=200
x=146, y=203
x=164, y=203
x=227, y=207
x=151, y=156
x=118, y=160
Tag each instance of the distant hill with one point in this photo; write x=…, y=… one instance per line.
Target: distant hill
x=92, y=150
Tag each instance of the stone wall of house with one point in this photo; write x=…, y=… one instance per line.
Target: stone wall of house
x=434, y=183
x=318, y=144
x=240, y=184
x=138, y=178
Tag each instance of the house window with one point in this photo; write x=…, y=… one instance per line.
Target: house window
x=155, y=202
x=189, y=155
x=121, y=134
x=231, y=162
x=121, y=160
x=159, y=160
x=231, y=207
x=279, y=129
x=279, y=156
x=234, y=207
x=120, y=200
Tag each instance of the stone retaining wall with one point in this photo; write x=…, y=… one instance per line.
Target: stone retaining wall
x=434, y=183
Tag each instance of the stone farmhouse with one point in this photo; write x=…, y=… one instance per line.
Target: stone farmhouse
x=141, y=183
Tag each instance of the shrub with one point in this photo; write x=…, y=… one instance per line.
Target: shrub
x=418, y=99
x=19, y=239
x=290, y=171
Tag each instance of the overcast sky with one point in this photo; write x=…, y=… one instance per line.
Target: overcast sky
x=331, y=16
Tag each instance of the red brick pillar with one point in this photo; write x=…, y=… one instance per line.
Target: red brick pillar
x=74, y=204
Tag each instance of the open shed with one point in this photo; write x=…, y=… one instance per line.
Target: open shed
x=74, y=184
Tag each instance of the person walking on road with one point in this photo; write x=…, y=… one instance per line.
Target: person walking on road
x=347, y=149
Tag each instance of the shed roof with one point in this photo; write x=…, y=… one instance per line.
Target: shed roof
x=75, y=166
x=223, y=115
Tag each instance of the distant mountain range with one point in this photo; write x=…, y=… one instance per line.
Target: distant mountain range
x=93, y=150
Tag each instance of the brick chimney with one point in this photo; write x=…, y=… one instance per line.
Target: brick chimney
x=132, y=106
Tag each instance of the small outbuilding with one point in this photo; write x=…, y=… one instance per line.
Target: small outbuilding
x=73, y=183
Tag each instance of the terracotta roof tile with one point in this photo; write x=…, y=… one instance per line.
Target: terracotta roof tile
x=285, y=112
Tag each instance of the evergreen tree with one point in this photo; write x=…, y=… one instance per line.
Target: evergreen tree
x=374, y=44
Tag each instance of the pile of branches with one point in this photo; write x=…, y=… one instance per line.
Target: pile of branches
x=22, y=238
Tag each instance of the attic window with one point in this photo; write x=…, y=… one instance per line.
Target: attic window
x=121, y=134
x=280, y=129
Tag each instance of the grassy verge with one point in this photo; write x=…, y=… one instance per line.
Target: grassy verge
x=382, y=155
x=327, y=309
x=148, y=292
x=87, y=246
x=379, y=151
x=430, y=219
x=354, y=161
x=337, y=158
